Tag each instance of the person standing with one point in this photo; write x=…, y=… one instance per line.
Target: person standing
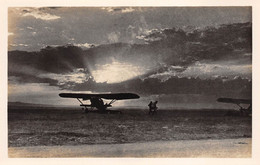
x=152, y=107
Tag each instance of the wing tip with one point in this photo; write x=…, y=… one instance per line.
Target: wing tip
x=135, y=96
x=62, y=94
x=234, y=101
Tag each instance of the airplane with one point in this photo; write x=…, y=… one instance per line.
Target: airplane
x=97, y=102
x=243, y=111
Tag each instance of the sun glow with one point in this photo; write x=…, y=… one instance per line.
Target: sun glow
x=116, y=72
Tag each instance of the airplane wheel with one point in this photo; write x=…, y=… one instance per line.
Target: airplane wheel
x=86, y=110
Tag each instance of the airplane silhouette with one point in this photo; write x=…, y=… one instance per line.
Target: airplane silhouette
x=97, y=102
x=243, y=111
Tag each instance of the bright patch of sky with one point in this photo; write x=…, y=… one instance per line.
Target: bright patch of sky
x=116, y=72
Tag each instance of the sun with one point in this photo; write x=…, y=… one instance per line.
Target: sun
x=116, y=72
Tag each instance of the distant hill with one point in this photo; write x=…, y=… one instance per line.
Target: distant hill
x=22, y=104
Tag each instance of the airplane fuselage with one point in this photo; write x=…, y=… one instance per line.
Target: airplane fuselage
x=98, y=103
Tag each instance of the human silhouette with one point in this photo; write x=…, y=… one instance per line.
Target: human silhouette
x=152, y=107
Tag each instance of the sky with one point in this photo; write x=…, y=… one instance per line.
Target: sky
x=182, y=56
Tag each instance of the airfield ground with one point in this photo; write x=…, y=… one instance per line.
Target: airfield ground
x=41, y=126
x=213, y=148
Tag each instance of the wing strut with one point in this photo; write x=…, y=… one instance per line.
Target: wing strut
x=112, y=101
x=80, y=101
x=240, y=106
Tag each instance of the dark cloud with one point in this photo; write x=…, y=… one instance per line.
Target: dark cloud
x=49, y=59
x=25, y=78
x=175, y=85
x=210, y=43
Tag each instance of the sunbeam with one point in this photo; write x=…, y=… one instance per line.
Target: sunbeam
x=116, y=72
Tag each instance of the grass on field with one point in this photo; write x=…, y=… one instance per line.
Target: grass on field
x=57, y=126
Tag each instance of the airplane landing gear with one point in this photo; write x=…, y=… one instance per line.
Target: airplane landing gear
x=85, y=110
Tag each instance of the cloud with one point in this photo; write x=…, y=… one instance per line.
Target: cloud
x=19, y=78
x=59, y=59
x=34, y=33
x=206, y=71
x=38, y=13
x=143, y=35
x=79, y=75
x=29, y=27
x=113, y=37
x=13, y=45
x=212, y=70
x=18, y=45
x=18, y=73
x=216, y=43
x=128, y=10
x=23, y=45
x=175, y=48
x=152, y=86
x=180, y=62
x=140, y=31
x=86, y=45
x=119, y=9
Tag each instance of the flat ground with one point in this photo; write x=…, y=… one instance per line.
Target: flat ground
x=36, y=126
x=220, y=148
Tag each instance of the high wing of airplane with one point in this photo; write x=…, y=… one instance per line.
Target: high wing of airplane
x=96, y=99
x=238, y=102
